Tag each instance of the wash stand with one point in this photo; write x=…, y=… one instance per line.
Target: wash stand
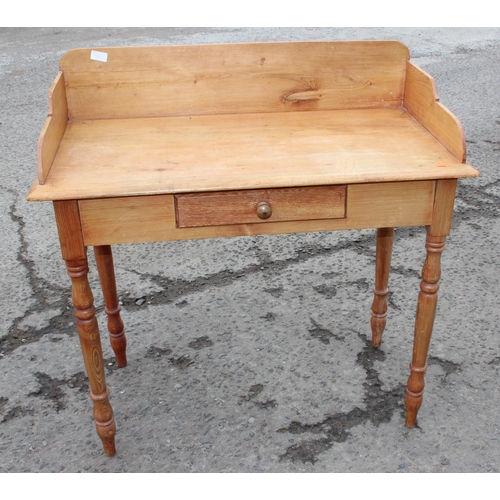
x=205, y=141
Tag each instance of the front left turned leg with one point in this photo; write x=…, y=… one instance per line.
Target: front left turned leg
x=426, y=311
x=90, y=342
x=385, y=240
x=106, y=270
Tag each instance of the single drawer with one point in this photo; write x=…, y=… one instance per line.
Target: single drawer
x=260, y=206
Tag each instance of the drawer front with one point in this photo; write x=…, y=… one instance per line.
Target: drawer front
x=260, y=206
x=134, y=219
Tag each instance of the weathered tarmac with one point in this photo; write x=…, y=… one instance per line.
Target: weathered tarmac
x=253, y=354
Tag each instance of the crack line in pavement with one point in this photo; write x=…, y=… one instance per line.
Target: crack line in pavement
x=379, y=408
x=17, y=336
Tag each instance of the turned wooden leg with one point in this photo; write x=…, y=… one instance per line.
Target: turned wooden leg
x=75, y=254
x=90, y=343
x=426, y=311
x=427, y=299
x=104, y=260
x=385, y=240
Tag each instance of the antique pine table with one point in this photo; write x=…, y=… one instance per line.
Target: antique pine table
x=204, y=141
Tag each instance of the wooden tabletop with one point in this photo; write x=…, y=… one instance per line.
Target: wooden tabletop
x=127, y=157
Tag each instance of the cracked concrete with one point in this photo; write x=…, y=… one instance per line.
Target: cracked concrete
x=252, y=354
x=379, y=408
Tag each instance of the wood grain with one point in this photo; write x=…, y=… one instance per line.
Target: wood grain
x=90, y=343
x=437, y=231
x=152, y=218
x=385, y=241
x=105, y=158
x=69, y=230
x=234, y=78
x=54, y=128
x=443, y=213
x=424, y=322
x=74, y=253
x=422, y=101
x=106, y=270
x=239, y=207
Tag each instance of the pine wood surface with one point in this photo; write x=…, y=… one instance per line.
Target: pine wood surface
x=75, y=254
x=424, y=322
x=54, y=127
x=422, y=101
x=104, y=158
x=442, y=215
x=437, y=231
x=234, y=78
x=152, y=218
x=385, y=242
x=69, y=230
x=116, y=328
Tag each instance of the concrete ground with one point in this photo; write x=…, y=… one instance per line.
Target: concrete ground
x=253, y=354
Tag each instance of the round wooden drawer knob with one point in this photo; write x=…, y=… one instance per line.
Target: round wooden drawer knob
x=264, y=210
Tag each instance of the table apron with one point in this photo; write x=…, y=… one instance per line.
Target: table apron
x=135, y=219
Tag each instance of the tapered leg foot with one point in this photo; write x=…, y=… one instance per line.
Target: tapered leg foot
x=105, y=267
x=104, y=422
x=424, y=322
x=90, y=342
x=385, y=241
x=413, y=400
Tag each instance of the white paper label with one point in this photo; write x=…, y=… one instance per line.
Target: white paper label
x=95, y=55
